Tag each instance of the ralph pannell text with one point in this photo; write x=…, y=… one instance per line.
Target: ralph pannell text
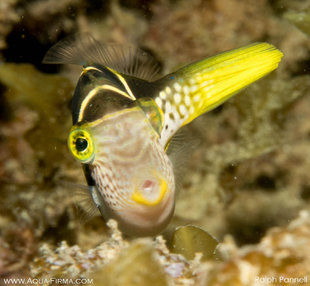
x=281, y=279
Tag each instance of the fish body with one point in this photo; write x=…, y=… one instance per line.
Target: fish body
x=124, y=119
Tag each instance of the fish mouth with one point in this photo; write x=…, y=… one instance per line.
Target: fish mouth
x=150, y=209
x=150, y=192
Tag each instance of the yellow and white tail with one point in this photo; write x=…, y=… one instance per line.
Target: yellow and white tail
x=202, y=86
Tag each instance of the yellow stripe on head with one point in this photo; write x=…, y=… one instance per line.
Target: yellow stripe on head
x=123, y=81
x=94, y=92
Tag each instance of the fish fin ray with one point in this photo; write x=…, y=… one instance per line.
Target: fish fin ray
x=180, y=150
x=82, y=200
x=83, y=49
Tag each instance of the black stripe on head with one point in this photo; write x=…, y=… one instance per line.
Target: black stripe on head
x=99, y=91
x=87, y=172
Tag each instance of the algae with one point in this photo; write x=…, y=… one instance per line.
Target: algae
x=189, y=240
x=48, y=96
x=300, y=19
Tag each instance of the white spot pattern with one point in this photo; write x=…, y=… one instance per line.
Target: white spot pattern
x=177, y=87
x=177, y=98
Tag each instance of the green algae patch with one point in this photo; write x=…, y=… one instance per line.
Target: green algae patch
x=46, y=97
x=189, y=240
x=300, y=19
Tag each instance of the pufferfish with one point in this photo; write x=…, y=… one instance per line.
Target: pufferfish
x=124, y=119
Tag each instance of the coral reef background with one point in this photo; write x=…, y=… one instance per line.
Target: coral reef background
x=247, y=182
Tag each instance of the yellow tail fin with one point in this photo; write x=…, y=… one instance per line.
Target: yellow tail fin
x=202, y=86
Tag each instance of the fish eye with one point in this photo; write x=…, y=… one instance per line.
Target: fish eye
x=81, y=145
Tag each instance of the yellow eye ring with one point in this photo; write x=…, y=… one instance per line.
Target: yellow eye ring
x=81, y=145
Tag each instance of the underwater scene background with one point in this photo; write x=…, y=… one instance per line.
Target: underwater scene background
x=243, y=202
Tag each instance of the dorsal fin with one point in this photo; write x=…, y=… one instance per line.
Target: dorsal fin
x=83, y=49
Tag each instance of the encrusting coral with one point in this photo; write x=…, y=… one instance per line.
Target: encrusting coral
x=282, y=254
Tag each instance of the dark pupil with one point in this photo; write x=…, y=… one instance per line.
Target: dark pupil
x=81, y=144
